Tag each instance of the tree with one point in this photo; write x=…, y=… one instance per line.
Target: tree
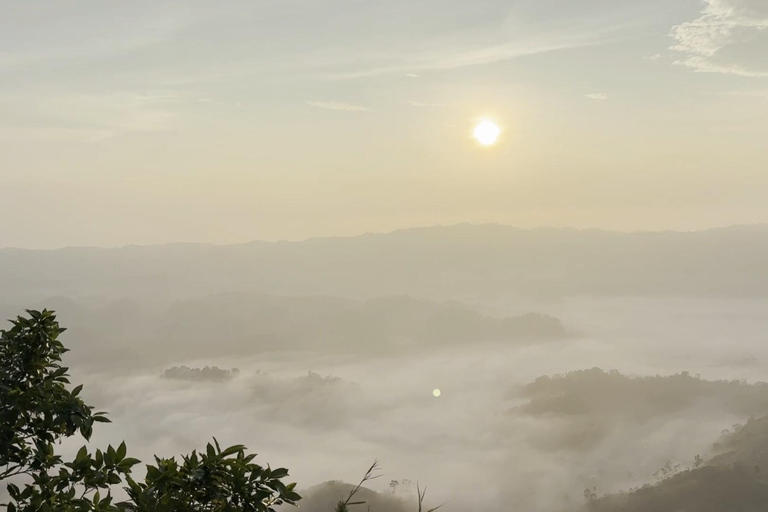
x=38, y=410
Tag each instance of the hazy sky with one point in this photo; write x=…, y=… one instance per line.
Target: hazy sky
x=155, y=121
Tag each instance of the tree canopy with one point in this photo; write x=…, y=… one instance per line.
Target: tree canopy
x=38, y=410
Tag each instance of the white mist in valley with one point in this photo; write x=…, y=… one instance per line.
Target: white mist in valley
x=326, y=417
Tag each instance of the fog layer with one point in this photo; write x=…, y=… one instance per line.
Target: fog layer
x=630, y=354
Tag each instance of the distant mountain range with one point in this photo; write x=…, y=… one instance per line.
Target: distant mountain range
x=228, y=324
x=438, y=262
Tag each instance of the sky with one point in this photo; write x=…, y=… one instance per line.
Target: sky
x=153, y=121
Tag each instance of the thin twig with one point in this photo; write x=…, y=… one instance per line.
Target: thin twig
x=421, y=494
x=342, y=506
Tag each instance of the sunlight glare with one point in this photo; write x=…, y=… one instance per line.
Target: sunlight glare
x=486, y=132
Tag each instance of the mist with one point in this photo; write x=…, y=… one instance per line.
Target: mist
x=541, y=395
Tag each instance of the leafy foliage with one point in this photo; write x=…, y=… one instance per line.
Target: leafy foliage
x=217, y=480
x=37, y=410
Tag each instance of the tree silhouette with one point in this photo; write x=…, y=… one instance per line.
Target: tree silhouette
x=38, y=410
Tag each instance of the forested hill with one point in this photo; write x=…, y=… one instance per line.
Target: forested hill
x=734, y=479
x=445, y=262
x=242, y=323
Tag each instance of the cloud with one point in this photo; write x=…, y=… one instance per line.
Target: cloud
x=70, y=35
x=508, y=31
x=426, y=105
x=87, y=116
x=411, y=75
x=596, y=96
x=656, y=56
x=728, y=37
x=463, y=57
x=15, y=134
x=752, y=94
x=336, y=105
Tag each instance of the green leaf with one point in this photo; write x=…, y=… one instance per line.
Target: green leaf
x=129, y=462
x=82, y=454
x=292, y=496
x=279, y=473
x=232, y=450
x=121, y=452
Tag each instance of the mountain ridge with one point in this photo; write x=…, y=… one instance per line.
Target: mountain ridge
x=404, y=231
x=449, y=262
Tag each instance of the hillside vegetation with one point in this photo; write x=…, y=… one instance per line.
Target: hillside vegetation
x=734, y=479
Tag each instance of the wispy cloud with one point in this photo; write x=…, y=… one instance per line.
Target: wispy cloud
x=16, y=134
x=596, y=96
x=763, y=94
x=336, y=105
x=87, y=116
x=519, y=29
x=728, y=37
x=656, y=56
x=445, y=59
x=427, y=105
x=77, y=43
x=704, y=65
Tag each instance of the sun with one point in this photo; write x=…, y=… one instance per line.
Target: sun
x=486, y=132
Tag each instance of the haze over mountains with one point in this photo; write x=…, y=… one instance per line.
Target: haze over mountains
x=453, y=262
x=245, y=324
x=567, y=359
